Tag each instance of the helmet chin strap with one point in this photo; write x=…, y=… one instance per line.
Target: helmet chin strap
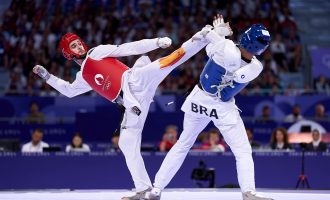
x=80, y=59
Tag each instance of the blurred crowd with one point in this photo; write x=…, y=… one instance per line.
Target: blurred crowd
x=31, y=29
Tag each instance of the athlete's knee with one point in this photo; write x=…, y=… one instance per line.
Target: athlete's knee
x=127, y=145
x=123, y=145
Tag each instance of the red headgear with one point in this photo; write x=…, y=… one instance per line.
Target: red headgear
x=65, y=48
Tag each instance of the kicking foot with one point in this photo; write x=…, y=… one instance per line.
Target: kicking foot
x=253, y=196
x=201, y=35
x=154, y=194
x=138, y=195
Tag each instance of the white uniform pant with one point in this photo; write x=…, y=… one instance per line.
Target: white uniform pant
x=143, y=82
x=234, y=135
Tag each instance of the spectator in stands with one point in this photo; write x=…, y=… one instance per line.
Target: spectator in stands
x=114, y=143
x=279, y=51
x=320, y=114
x=307, y=90
x=77, y=144
x=35, y=116
x=214, y=143
x=254, y=144
x=47, y=91
x=202, y=140
x=295, y=115
x=292, y=90
x=287, y=22
x=17, y=83
x=322, y=86
x=279, y=140
x=265, y=115
x=36, y=144
x=294, y=50
x=270, y=64
x=292, y=41
x=169, y=138
x=316, y=144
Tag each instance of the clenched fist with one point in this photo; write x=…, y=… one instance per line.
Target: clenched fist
x=164, y=42
x=41, y=71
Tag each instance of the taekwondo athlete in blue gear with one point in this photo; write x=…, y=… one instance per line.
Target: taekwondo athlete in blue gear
x=255, y=40
x=229, y=69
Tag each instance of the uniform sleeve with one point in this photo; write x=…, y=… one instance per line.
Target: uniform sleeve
x=216, y=41
x=86, y=148
x=44, y=144
x=25, y=148
x=126, y=49
x=216, y=51
x=248, y=72
x=79, y=86
x=67, y=148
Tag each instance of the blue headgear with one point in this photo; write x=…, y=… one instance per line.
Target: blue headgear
x=255, y=39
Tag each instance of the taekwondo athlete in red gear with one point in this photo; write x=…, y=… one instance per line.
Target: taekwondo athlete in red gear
x=229, y=69
x=102, y=72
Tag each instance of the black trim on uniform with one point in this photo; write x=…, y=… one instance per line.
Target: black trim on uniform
x=245, y=60
x=121, y=109
x=200, y=85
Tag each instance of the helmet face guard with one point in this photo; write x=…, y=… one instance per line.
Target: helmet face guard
x=255, y=39
x=65, y=45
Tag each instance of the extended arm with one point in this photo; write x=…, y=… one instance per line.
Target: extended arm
x=77, y=87
x=217, y=39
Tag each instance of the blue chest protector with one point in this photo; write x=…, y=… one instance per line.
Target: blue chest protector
x=212, y=76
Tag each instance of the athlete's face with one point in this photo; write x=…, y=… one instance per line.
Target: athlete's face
x=77, y=47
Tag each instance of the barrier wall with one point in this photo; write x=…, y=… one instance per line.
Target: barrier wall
x=109, y=171
x=67, y=107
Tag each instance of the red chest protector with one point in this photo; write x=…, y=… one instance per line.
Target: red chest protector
x=104, y=76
